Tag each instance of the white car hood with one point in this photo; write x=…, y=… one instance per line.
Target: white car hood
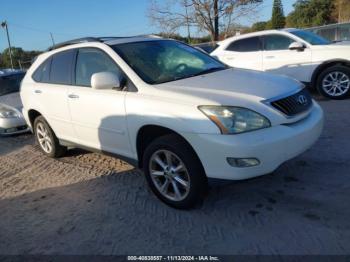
x=334, y=46
x=234, y=83
x=342, y=43
x=12, y=100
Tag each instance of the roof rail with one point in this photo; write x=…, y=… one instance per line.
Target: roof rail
x=75, y=41
x=96, y=39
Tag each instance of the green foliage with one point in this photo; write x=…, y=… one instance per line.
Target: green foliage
x=259, y=26
x=278, y=19
x=19, y=56
x=308, y=13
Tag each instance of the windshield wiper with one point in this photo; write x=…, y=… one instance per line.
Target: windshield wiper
x=209, y=70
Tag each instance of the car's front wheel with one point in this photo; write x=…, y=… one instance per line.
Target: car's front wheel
x=174, y=172
x=334, y=82
x=47, y=139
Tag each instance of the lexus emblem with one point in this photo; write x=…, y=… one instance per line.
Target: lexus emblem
x=302, y=100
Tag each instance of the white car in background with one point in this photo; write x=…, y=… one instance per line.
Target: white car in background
x=168, y=108
x=11, y=119
x=300, y=54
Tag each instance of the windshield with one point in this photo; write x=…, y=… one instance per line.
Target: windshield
x=311, y=38
x=163, y=61
x=10, y=83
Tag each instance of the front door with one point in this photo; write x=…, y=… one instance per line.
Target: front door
x=278, y=59
x=98, y=116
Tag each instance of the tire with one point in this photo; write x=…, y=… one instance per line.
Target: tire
x=47, y=139
x=192, y=173
x=334, y=82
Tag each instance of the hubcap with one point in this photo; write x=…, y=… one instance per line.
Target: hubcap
x=169, y=175
x=44, y=138
x=336, y=83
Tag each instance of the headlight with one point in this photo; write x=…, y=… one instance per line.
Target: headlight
x=235, y=120
x=6, y=112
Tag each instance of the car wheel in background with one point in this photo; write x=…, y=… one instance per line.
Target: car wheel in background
x=174, y=172
x=47, y=139
x=334, y=82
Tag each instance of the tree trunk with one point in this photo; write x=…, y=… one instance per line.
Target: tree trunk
x=216, y=21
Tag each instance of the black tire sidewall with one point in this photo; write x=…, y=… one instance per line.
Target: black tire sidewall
x=340, y=68
x=198, y=180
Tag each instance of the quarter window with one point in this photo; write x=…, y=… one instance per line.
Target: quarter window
x=91, y=61
x=251, y=44
x=42, y=74
x=277, y=42
x=61, y=68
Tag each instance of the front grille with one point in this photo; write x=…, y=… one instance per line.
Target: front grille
x=295, y=104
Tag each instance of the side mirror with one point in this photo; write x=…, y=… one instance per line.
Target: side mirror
x=297, y=46
x=105, y=80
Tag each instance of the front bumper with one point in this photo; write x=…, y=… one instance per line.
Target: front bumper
x=272, y=146
x=12, y=126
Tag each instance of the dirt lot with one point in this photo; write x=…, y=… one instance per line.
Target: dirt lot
x=91, y=204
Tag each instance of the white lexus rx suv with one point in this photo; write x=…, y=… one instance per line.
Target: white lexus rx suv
x=300, y=54
x=168, y=108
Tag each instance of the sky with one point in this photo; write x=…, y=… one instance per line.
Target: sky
x=31, y=21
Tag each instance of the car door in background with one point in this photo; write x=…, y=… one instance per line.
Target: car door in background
x=244, y=53
x=53, y=78
x=279, y=59
x=98, y=116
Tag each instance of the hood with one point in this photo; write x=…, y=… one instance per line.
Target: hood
x=344, y=45
x=234, y=82
x=12, y=100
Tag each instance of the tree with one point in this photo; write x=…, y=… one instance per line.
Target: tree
x=341, y=11
x=259, y=26
x=308, y=13
x=210, y=16
x=20, y=57
x=278, y=19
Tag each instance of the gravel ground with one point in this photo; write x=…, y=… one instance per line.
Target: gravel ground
x=87, y=203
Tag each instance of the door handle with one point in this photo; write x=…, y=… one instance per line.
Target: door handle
x=269, y=57
x=38, y=91
x=73, y=96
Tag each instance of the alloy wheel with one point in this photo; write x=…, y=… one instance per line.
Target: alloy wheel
x=169, y=175
x=336, y=83
x=44, y=138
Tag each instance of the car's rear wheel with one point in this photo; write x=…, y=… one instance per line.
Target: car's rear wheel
x=174, y=172
x=334, y=82
x=47, y=139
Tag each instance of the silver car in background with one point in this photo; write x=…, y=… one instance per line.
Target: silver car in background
x=11, y=118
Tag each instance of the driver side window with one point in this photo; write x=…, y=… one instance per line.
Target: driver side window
x=91, y=61
x=276, y=42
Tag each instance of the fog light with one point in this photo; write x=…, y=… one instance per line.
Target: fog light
x=243, y=162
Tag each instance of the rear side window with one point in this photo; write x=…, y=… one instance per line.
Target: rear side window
x=42, y=74
x=61, y=68
x=277, y=42
x=251, y=44
x=91, y=61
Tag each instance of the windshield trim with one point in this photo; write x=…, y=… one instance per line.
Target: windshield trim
x=224, y=66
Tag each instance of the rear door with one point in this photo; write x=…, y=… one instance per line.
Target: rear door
x=53, y=78
x=98, y=116
x=277, y=58
x=244, y=53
